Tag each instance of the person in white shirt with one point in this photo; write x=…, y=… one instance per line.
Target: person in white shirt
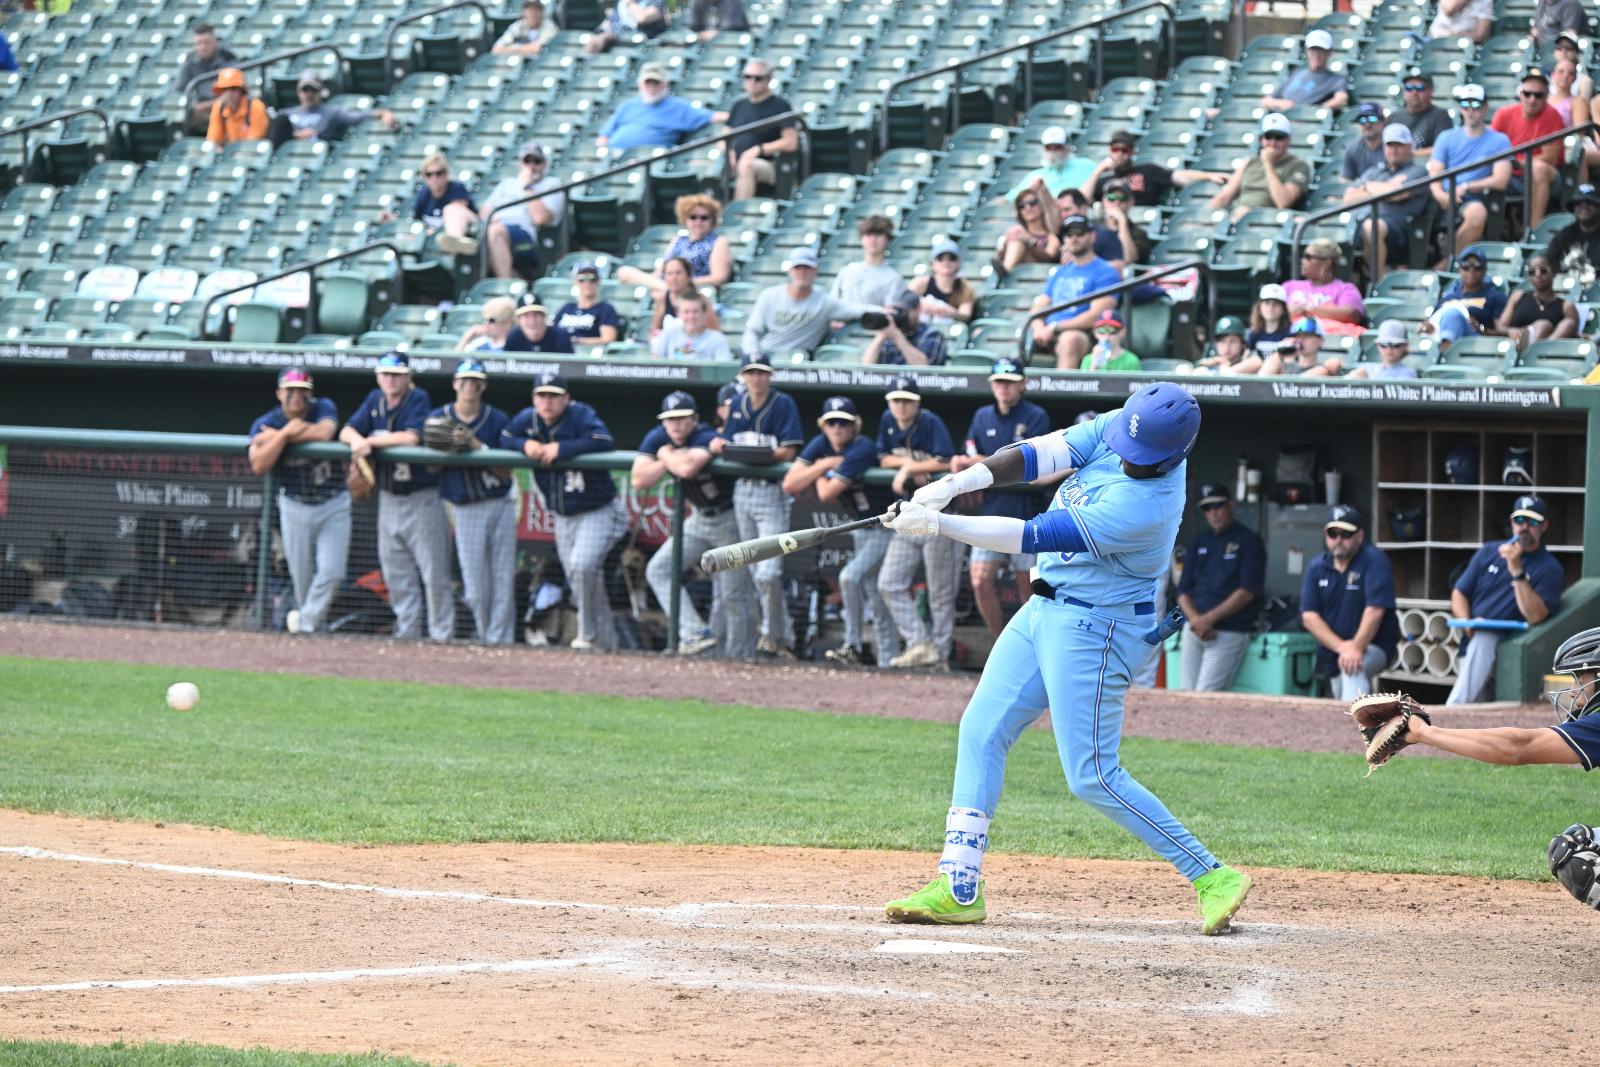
x=514, y=233
x=490, y=334
x=686, y=336
x=872, y=281
x=1464, y=18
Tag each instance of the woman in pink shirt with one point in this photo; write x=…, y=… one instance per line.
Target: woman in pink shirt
x=1337, y=304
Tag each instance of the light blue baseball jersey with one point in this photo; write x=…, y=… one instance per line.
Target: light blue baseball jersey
x=1106, y=538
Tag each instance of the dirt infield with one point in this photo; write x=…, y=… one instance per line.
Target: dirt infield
x=1222, y=718
x=560, y=954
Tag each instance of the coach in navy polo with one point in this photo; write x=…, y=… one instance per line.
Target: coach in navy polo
x=1516, y=579
x=1224, y=579
x=1347, y=604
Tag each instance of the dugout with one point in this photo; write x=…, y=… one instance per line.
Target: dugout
x=1388, y=439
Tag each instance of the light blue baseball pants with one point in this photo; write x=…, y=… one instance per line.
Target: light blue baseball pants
x=1076, y=662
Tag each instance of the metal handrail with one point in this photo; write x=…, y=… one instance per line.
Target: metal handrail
x=1526, y=150
x=265, y=61
x=388, y=37
x=307, y=268
x=1025, y=342
x=958, y=66
x=787, y=118
x=50, y=120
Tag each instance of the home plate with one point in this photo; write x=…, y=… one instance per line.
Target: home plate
x=937, y=948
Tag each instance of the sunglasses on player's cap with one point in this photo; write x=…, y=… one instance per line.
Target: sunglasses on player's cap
x=471, y=368
x=395, y=362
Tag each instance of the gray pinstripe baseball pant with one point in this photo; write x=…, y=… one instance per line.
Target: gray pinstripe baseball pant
x=316, y=545
x=414, y=552
x=858, y=586
x=728, y=609
x=763, y=511
x=486, y=546
x=941, y=563
x=582, y=542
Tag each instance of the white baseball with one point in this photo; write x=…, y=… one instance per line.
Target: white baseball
x=183, y=695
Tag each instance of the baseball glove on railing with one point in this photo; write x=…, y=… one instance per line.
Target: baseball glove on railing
x=1383, y=719
x=444, y=434
x=359, y=478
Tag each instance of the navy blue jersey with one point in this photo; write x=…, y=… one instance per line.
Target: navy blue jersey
x=709, y=493
x=374, y=416
x=775, y=424
x=468, y=485
x=579, y=430
x=1488, y=585
x=429, y=209
x=310, y=481
x=555, y=339
x=1584, y=737
x=1214, y=565
x=928, y=438
x=860, y=454
x=586, y=322
x=992, y=431
x=1341, y=598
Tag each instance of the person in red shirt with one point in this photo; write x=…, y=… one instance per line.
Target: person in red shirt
x=1528, y=121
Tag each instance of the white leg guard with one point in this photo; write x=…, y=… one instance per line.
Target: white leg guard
x=966, y=839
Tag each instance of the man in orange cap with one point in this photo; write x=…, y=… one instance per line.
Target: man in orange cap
x=236, y=116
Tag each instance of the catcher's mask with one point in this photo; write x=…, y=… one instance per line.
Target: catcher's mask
x=1578, y=654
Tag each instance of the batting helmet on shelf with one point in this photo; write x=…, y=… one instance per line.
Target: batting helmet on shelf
x=1157, y=426
x=1461, y=465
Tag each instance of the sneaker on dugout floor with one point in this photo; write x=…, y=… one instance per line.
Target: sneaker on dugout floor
x=457, y=246
x=537, y=638
x=580, y=645
x=769, y=646
x=919, y=655
x=291, y=621
x=1222, y=893
x=700, y=642
x=933, y=903
x=844, y=656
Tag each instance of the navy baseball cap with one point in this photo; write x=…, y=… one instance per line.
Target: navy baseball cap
x=1343, y=517
x=1079, y=221
x=839, y=408
x=550, y=382
x=1006, y=370
x=756, y=360
x=1214, y=493
x=471, y=368
x=294, y=378
x=902, y=387
x=1587, y=194
x=394, y=363
x=729, y=392
x=1474, y=253
x=676, y=405
x=1370, y=112
x=1529, y=507
x=586, y=267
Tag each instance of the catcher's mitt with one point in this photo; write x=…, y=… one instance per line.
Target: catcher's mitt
x=444, y=434
x=1383, y=719
x=359, y=478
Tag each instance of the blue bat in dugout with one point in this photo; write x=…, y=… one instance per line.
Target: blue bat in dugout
x=1166, y=627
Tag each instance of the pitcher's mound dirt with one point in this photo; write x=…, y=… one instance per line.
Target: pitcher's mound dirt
x=645, y=954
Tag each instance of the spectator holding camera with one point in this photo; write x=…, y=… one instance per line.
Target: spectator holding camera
x=904, y=339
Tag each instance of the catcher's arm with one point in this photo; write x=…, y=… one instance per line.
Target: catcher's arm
x=1505, y=745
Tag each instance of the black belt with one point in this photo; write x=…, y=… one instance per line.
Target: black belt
x=711, y=513
x=1042, y=588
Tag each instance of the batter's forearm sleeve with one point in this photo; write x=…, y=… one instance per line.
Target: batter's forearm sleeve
x=994, y=532
x=1056, y=531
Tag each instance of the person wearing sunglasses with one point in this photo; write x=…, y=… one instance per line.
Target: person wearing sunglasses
x=753, y=154
x=1516, y=579
x=1471, y=305
x=1300, y=354
x=1031, y=240
x=1538, y=312
x=513, y=234
x=1399, y=168
x=1347, y=604
x=1526, y=121
x=1393, y=348
x=1567, y=48
x=1318, y=293
x=653, y=119
x=946, y=295
x=1272, y=178
x=491, y=334
x=527, y=35
x=1425, y=119
x=1459, y=146
x=1147, y=183
x=1575, y=248
x=709, y=255
x=1066, y=332
x=1108, y=353
x=1223, y=585
x=1464, y=18
x=1361, y=154
x=648, y=17
x=1312, y=84
x=589, y=320
x=443, y=204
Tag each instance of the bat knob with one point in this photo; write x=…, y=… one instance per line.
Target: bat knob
x=708, y=562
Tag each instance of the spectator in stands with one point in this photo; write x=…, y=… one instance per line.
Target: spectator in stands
x=1347, y=604
x=513, y=234
x=1574, y=110
x=1147, y=183
x=236, y=115
x=786, y=318
x=313, y=507
x=1464, y=18
x=316, y=119
x=1425, y=119
x=906, y=340
x=207, y=57
x=1060, y=169
x=1109, y=243
x=1133, y=242
x=1313, y=83
x=413, y=532
x=1300, y=354
x=1009, y=420
x=871, y=281
x=1528, y=121
x=654, y=118
x=528, y=34
x=491, y=334
x=833, y=462
x=1365, y=152
x=1517, y=580
x=1272, y=178
x=484, y=513
x=1066, y=332
x=534, y=334
x=1567, y=48
x=1108, y=353
x=7, y=60
x=1223, y=584
x=708, y=252
x=1575, y=248
x=678, y=275
x=1230, y=352
x=648, y=17
x=588, y=320
x=589, y=518
x=688, y=337
x=1553, y=18
x=1471, y=305
x=1319, y=293
x=1269, y=321
x=1032, y=239
x=707, y=18
x=1538, y=312
x=443, y=204
x=946, y=295
x=1471, y=141
x=1398, y=168
x=752, y=154
x=1393, y=347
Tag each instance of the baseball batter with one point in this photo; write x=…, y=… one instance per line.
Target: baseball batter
x=1102, y=545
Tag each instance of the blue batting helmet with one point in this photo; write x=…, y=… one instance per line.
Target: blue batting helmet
x=1158, y=425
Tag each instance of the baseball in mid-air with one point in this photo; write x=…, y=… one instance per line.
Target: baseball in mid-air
x=183, y=695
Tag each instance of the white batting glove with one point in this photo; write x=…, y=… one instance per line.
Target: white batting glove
x=911, y=518
x=935, y=495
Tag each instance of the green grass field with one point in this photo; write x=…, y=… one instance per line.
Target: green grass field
x=368, y=762
x=62, y=1054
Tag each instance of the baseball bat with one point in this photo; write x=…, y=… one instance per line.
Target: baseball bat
x=745, y=553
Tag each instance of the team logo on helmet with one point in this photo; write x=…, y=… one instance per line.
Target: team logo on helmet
x=1133, y=426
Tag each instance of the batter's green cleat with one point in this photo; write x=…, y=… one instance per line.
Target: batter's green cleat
x=933, y=903
x=1222, y=893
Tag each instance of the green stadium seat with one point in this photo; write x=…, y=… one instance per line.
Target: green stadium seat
x=342, y=303
x=385, y=339
x=257, y=324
